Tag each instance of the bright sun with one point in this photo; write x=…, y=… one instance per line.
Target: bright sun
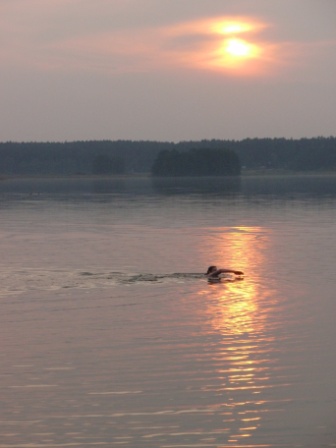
x=240, y=48
x=237, y=47
x=231, y=45
x=233, y=52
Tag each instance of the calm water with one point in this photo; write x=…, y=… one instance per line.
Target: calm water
x=112, y=337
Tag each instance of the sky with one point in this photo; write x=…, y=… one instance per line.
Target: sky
x=167, y=70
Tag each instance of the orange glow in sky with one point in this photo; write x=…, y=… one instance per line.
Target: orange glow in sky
x=231, y=44
x=240, y=49
x=234, y=52
x=233, y=26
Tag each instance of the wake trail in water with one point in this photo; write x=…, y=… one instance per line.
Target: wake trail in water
x=18, y=281
x=27, y=280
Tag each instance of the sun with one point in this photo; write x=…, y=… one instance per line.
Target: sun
x=235, y=54
x=239, y=48
x=235, y=46
x=227, y=45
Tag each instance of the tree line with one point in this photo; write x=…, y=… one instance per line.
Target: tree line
x=196, y=162
x=126, y=156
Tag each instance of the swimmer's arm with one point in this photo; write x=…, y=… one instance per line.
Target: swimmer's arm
x=230, y=271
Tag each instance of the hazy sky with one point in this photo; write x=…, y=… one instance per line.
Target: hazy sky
x=167, y=69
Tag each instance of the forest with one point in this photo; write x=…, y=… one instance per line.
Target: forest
x=196, y=162
x=108, y=157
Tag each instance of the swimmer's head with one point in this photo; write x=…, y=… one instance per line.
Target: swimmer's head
x=211, y=269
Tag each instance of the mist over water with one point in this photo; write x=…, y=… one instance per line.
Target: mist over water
x=112, y=336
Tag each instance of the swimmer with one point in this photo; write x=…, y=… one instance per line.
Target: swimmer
x=214, y=274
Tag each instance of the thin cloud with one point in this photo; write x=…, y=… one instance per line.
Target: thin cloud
x=192, y=45
x=75, y=35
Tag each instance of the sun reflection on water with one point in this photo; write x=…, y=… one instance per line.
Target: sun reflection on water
x=234, y=313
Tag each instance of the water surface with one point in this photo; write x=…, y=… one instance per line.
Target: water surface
x=112, y=336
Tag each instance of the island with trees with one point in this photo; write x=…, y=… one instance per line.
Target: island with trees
x=196, y=162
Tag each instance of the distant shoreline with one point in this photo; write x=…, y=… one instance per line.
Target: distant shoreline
x=245, y=173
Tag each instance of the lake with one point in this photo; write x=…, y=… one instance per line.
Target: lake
x=112, y=336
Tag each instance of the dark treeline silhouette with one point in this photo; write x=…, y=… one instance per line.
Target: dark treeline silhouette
x=80, y=157
x=196, y=162
x=123, y=156
x=104, y=164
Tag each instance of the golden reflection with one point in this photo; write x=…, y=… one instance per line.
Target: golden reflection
x=235, y=314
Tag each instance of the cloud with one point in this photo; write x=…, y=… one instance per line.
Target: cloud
x=189, y=45
x=118, y=37
x=34, y=32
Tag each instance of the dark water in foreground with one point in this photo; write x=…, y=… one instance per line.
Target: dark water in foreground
x=112, y=337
